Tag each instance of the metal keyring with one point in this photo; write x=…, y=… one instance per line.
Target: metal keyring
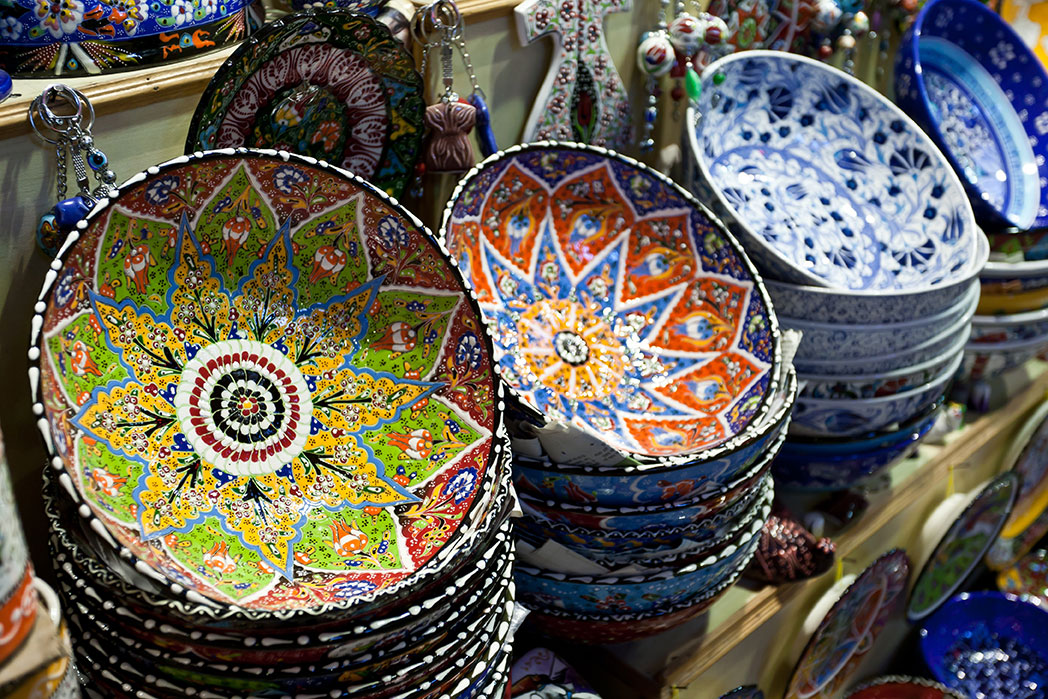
x=445, y=16
x=60, y=123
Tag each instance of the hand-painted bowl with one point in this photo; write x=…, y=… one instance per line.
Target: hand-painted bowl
x=624, y=486
x=876, y=385
x=844, y=417
x=936, y=347
x=634, y=593
x=900, y=687
x=618, y=304
x=972, y=83
x=826, y=181
x=989, y=359
x=1013, y=287
x=1009, y=328
x=855, y=342
x=802, y=470
x=988, y=644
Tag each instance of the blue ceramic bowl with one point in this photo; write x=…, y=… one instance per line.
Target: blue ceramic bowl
x=626, y=486
x=974, y=622
x=853, y=342
x=876, y=385
x=989, y=359
x=1016, y=327
x=970, y=80
x=822, y=447
x=635, y=593
x=800, y=467
x=827, y=182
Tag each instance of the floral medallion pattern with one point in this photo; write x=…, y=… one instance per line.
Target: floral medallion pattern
x=962, y=547
x=265, y=381
x=749, y=21
x=618, y=305
x=830, y=183
x=333, y=85
x=850, y=628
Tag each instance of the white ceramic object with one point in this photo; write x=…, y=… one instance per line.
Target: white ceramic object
x=1015, y=327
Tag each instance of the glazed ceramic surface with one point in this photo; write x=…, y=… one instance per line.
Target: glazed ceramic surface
x=1027, y=576
x=329, y=84
x=744, y=692
x=872, y=206
x=898, y=687
x=853, y=342
x=17, y=598
x=85, y=37
x=850, y=627
x=845, y=446
x=988, y=644
x=989, y=359
x=963, y=546
x=262, y=375
x=1009, y=328
x=981, y=93
x=877, y=385
x=749, y=22
x=846, y=417
x=542, y=666
x=619, y=304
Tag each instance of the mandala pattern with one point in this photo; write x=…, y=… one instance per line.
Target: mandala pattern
x=850, y=628
x=962, y=547
x=749, y=21
x=329, y=84
x=868, y=206
x=265, y=382
x=618, y=305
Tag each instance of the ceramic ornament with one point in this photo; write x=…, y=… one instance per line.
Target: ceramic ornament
x=582, y=98
x=1028, y=576
x=749, y=22
x=17, y=598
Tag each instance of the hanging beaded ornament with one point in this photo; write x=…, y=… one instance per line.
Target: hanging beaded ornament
x=655, y=58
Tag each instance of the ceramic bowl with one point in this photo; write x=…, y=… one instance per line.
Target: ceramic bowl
x=843, y=446
x=634, y=593
x=1006, y=328
x=595, y=275
x=624, y=486
x=877, y=385
x=826, y=181
x=902, y=687
x=802, y=470
x=989, y=359
x=853, y=342
x=970, y=80
x=936, y=347
x=987, y=644
x=1014, y=276
x=845, y=417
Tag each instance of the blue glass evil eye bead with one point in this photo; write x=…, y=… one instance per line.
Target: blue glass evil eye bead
x=5, y=85
x=97, y=160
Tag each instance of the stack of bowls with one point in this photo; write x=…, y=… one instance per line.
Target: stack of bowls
x=868, y=242
x=980, y=92
x=260, y=483
x=645, y=382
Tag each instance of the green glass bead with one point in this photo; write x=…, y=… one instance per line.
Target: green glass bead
x=718, y=78
x=692, y=84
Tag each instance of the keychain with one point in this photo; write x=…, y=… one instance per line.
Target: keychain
x=70, y=134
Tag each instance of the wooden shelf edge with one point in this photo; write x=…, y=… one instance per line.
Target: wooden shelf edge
x=716, y=644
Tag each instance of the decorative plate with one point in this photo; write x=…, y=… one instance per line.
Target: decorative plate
x=963, y=546
x=829, y=182
x=749, y=691
x=266, y=381
x=330, y=84
x=965, y=74
x=1029, y=517
x=850, y=627
x=899, y=687
x=620, y=305
x=1028, y=576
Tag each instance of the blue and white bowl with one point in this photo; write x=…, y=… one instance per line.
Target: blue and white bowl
x=825, y=181
x=1016, y=327
x=990, y=359
x=860, y=341
x=844, y=417
x=971, y=81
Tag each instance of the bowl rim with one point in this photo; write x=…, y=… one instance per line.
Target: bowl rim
x=956, y=347
x=914, y=434
x=819, y=444
x=691, y=127
x=959, y=307
x=754, y=428
x=913, y=38
x=1011, y=318
x=474, y=517
x=938, y=381
x=997, y=269
x=1000, y=347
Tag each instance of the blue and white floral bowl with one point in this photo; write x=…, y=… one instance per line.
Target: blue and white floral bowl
x=826, y=182
x=1017, y=327
x=986, y=360
x=845, y=417
x=970, y=80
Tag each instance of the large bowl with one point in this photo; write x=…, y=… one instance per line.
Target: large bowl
x=1009, y=328
x=853, y=342
x=993, y=632
x=826, y=181
x=971, y=81
x=877, y=385
x=989, y=359
x=620, y=307
x=844, y=417
x=648, y=485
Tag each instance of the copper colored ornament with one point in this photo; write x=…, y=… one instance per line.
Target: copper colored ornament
x=788, y=552
x=449, y=148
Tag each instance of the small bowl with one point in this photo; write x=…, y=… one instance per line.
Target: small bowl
x=972, y=83
x=987, y=622
x=854, y=342
x=826, y=181
x=876, y=385
x=989, y=359
x=814, y=417
x=1005, y=328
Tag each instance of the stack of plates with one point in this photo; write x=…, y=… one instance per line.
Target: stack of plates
x=866, y=236
x=983, y=102
x=646, y=383
x=279, y=459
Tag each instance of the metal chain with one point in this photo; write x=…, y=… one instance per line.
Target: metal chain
x=62, y=166
x=468, y=64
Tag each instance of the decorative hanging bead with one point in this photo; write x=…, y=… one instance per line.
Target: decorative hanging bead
x=685, y=34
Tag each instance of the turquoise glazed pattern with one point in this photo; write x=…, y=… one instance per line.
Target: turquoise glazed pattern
x=970, y=80
x=830, y=183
